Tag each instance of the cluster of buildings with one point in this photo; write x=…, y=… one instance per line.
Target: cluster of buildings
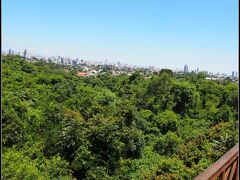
x=210, y=76
x=91, y=68
x=59, y=60
x=186, y=70
x=214, y=76
x=12, y=52
x=62, y=60
x=85, y=68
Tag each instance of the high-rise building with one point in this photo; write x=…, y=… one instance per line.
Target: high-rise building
x=74, y=62
x=233, y=73
x=9, y=51
x=185, y=68
x=197, y=71
x=25, y=53
x=59, y=59
x=77, y=60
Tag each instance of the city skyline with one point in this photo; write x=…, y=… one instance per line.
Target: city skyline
x=59, y=59
x=168, y=35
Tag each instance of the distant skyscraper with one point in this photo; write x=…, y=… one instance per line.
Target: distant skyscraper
x=185, y=69
x=233, y=73
x=197, y=70
x=25, y=53
x=9, y=51
x=74, y=62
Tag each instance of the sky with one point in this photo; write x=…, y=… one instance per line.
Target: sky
x=163, y=33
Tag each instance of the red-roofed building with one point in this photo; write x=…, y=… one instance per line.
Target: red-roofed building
x=82, y=74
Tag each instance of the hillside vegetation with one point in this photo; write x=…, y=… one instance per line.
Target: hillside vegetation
x=57, y=125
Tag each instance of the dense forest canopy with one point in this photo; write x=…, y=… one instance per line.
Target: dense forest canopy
x=56, y=125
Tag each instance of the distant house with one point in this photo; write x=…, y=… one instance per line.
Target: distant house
x=82, y=74
x=92, y=73
x=211, y=78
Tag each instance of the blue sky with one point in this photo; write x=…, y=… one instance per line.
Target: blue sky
x=163, y=33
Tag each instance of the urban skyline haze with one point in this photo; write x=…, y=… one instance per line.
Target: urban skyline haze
x=165, y=34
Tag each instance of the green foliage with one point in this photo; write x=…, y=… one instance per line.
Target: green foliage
x=167, y=144
x=21, y=166
x=56, y=125
x=158, y=97
x=186, y=98
x=167, y=121
x=230, y=96
x=134, y=143
x=97, y=173
x=167, y=71
x=225, y=113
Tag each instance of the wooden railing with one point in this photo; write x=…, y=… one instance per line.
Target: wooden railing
x=226, y=168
